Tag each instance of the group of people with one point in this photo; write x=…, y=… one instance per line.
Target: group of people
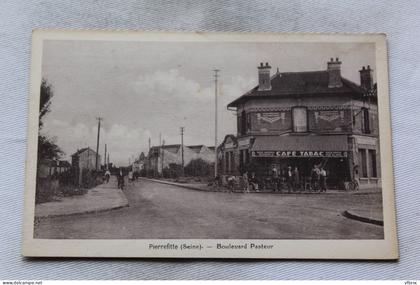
x=318, y=179
x=249, y=182
x=288, y=178
x=120, y=177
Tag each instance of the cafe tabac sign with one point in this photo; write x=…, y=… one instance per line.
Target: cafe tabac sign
x=298, y=153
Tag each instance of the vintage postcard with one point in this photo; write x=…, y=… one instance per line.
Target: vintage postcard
x=209, y=145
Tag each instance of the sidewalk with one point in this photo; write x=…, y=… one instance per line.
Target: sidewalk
x=205, y=187
x=101, y=198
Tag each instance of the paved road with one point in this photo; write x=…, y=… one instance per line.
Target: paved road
x=163, y=211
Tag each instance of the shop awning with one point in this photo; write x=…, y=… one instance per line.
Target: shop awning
x=300, y=146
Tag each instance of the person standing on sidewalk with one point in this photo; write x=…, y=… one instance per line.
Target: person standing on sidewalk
x=246, y=181
x=323, y=180
x=289, y=179
x=275, y=179
x=107, y=176
x=130, y=175
x=120, y=179
x=254, y=182
x=296, y=179
x=315, y=176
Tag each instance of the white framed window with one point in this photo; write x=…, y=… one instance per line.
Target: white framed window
x=365, y=121
x=300, y=119
x=363, y=163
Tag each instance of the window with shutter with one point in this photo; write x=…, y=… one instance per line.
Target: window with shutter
x=300, y=119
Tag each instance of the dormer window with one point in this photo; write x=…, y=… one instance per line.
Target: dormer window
x=300, y=119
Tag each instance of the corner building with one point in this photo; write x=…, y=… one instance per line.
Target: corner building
x=302, y=119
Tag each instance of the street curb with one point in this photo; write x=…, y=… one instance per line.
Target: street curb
x=357, y=217
x=177, y=184
x=83, y=213
x=99, y=210
x=186, y=186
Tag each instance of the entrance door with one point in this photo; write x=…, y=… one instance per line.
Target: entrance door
x=337, y=172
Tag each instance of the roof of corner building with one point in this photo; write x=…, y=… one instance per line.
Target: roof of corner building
x=300, y=83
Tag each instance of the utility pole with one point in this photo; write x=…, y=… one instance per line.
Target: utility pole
x=97, y=142
x=148, y=157
x=106, y=166
x=182, y=149
x=216, y=76
x=163, y=144
x=160, y=152
x=108, y=161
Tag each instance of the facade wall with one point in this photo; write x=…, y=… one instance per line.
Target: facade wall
x=270, y=116
x=325, y=115
x=359, y=120
x=367, y=162
x=330, y=120
x=87, y=160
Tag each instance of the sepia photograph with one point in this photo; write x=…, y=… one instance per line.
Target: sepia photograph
x=209, y=145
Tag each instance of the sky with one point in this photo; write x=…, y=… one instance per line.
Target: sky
x=146, y=89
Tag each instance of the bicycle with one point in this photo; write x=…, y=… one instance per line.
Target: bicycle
x=352, y=185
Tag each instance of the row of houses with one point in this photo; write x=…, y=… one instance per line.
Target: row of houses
x=84, y=158
x=161, y=157
x=52, y=167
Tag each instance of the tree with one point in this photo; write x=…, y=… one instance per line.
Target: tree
x=198, y=167
x=47, y=149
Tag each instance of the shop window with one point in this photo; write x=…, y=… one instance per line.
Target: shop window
x=363, y=162
x=372, y=164
x=300, y=119
x=365, y=121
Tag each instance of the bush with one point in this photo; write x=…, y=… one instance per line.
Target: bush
x=166, y=173
x=91, y=178
x=175, y=170
x=68, y=177
x=198, y=167
x=143, y=173
x=46, y=190
x=150, y=173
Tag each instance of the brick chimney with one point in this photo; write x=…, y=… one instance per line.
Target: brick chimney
x=366, y=79
x=264, y=82
x=334, y=73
